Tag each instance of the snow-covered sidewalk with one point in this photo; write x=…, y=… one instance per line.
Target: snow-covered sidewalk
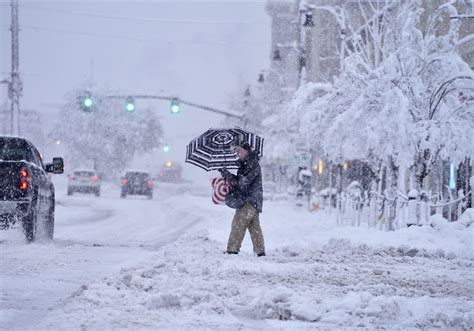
x=316, y=275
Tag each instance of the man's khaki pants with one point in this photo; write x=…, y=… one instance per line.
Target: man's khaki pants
x=246, y=218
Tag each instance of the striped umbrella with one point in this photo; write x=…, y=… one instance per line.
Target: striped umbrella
x=215, y=148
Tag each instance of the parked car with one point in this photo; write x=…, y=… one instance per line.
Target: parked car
x=136, y=183
x=170, y=172
x=83, y=181
x=26, y=190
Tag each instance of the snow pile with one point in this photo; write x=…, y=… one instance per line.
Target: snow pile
x=311, y=278
x=291, y=228
x=316, y=275
x=467, y=218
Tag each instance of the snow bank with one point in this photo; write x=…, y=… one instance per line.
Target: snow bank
x=191, y=284
x=316, y=276
x=288, y=227
x=467, y=218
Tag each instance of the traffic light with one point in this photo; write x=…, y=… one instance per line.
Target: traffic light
x=86, y=102
x=130, y=105
x=175, y=107
x=166, y=148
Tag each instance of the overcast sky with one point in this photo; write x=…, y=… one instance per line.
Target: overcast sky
x=204, y=51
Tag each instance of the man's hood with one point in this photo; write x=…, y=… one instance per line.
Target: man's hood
x=251, y=158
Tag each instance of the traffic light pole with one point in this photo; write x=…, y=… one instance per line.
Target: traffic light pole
x=184, y=102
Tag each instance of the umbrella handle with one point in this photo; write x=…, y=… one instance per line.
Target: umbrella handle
x=225, y=161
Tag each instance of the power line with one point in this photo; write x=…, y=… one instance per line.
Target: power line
x=122, y=37
x=140, y=19
x=84, y=33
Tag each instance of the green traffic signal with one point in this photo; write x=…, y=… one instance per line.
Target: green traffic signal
x=86, y=102
x=175, y=108
x=130, y=105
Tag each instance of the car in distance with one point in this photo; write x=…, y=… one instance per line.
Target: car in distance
x=170, y=172
x=26, y=190
x=83, y=181
x=136, y=183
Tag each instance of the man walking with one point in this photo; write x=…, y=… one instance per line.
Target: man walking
x=248, y=182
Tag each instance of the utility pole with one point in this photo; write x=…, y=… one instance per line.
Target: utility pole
x=4, y=109
x=305, y=20
x=15, y=74
x=301, y=48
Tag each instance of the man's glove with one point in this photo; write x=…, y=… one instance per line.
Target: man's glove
x=225, y=173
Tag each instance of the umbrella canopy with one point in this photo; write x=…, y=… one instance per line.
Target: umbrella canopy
x=215, y=148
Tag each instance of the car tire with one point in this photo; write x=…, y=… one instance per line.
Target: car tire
x=29, y=225
x=49, y=222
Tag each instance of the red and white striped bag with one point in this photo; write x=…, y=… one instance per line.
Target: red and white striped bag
x=219, y=190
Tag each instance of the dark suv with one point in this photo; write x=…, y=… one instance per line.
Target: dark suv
x=138, y=183
x=26, y=191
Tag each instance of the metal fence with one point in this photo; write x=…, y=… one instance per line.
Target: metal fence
x=376, y=210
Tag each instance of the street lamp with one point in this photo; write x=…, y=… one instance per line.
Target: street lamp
x=276, y=55
x=308, y=22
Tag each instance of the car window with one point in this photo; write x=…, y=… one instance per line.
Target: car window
x=16, y=150
x=137, y=176
x=84, y=173
x=37, y=155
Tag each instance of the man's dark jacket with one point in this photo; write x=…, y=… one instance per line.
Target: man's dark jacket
x=248, y=180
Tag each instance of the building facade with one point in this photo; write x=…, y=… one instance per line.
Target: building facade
x=323, y=44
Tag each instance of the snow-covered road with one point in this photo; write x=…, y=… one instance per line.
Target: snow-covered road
x=94, y=237
x=140, y=264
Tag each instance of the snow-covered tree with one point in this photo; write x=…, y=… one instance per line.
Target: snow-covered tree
x=396, y=100
x=108, y=137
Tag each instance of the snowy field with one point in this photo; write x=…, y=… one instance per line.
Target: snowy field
x=140, y=264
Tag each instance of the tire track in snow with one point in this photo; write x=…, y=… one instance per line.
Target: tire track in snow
x=41, y=276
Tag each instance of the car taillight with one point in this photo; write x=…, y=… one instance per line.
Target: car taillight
x=124, y=181
x=94, y=178
x=149, y=183
x=72, y=177
x=24, y=179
